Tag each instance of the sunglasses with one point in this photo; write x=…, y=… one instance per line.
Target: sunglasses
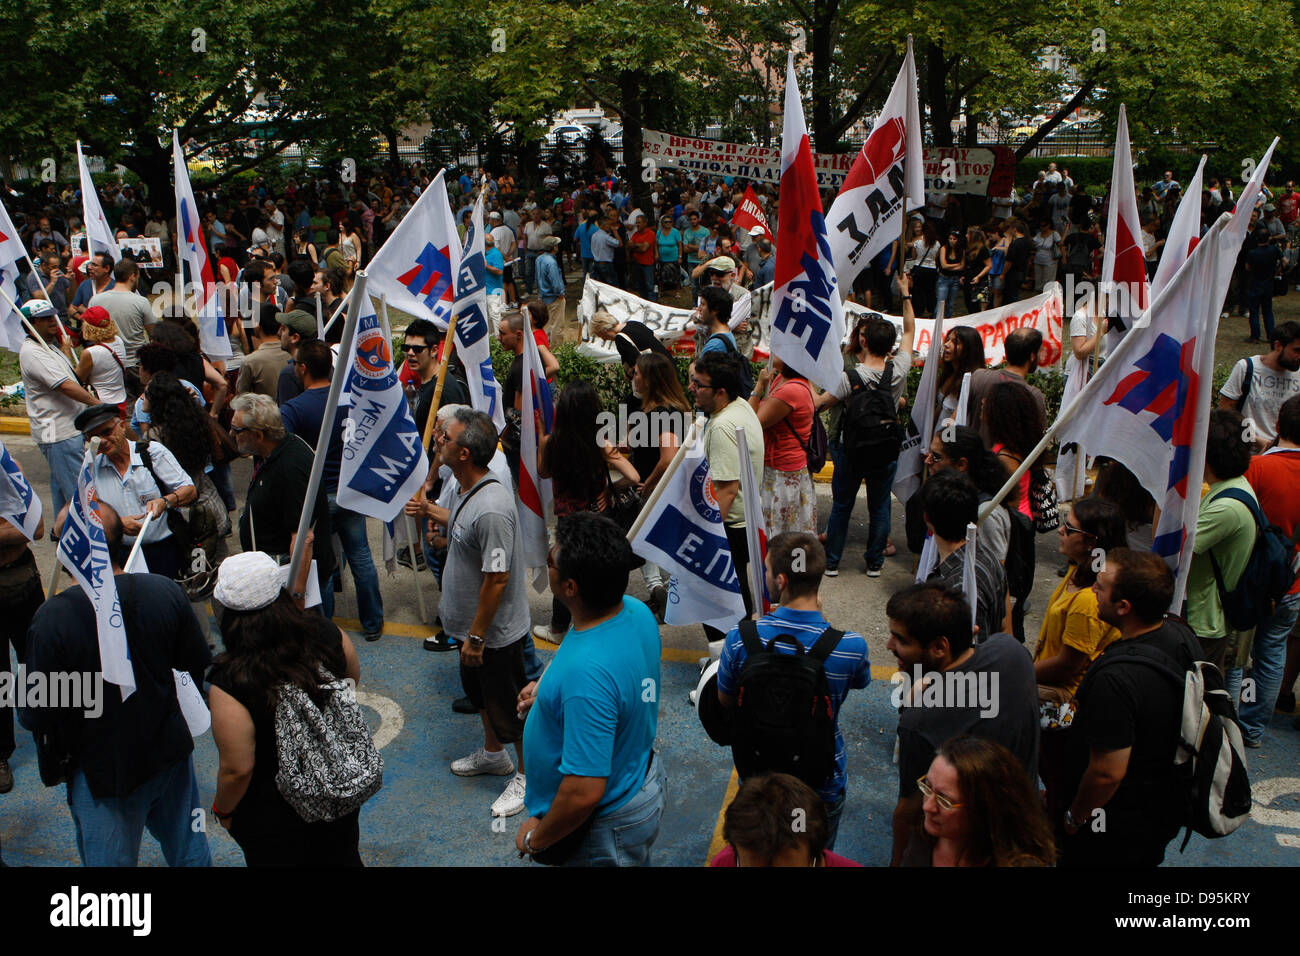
x=927, y=790
x=415, y=349
x=1069, y=529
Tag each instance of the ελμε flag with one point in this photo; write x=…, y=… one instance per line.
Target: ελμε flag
x=83, y=550
x=383, y=461
x=416, y=266
x=807, y=309
x=19, y=503
x=473, y=334
x=214, y=342
x=681, y=530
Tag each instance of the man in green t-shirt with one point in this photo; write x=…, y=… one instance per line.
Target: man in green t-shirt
x=1225, y=528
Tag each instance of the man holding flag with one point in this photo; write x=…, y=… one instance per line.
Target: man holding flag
x=20, y=583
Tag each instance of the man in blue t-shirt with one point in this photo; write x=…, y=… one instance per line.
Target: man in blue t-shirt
x=589, y=736
x=494, y=271
x=583, y=237
x=794, y=565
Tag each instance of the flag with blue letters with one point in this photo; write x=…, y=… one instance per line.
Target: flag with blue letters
x=383, y=461
x=473, y=332
x=83, y=550
x=19, y=504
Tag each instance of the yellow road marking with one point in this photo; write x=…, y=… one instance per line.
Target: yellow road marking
x=717, y=844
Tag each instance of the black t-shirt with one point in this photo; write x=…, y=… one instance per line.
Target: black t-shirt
x=132, y=740
x=645, y=450
x=263, y=812
x=635, y=338
x=1079, y=247
x=1018, y=254
x=455, y=392
x=1132, y=705
x=975, y=263
x=514, y=381
x=993, y=695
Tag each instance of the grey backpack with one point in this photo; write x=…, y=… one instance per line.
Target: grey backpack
x=328, y=762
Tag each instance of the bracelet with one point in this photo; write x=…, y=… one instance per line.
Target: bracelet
x=218, y=814
x=905, y=297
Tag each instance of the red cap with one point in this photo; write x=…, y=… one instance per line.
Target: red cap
x=97, y=316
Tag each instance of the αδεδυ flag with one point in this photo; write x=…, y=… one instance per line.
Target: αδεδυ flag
x=473, y=332
x=384, y=462
x=681, y=530
x=807, y=310
x=534, y=490
x=83, y=550
x=12, y=332
x=1148, y=405
x=416, y=266
x=750, y=214
x=99, y=234
x=889, y=171
x=1123, y=263
x=19, y=503
x=214, y=342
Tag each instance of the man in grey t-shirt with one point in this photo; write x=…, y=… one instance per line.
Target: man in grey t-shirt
x=131, y=311
x=951, y=686
x=486, y=601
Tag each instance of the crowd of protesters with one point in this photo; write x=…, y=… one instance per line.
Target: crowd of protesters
x=1012, y=790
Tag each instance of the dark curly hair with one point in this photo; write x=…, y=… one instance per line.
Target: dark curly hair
x=178, y=422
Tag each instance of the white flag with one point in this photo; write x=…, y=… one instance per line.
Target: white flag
x=473, y=331
x=534, y=490
x=214, y=342
x=1123, y=263
x=99, y=235
x=19, y=503
x=1184, y=232
x=920, y=425
x=416, y=267
x=12, y=332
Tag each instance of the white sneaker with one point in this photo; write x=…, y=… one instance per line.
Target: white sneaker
x=511, y=800
x=480, y=761
x=543, y=632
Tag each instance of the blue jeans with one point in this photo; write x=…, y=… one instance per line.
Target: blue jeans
x=945, y=291
x=109, y=830
x=530, y=270
x=1257, y=304
x=833, y=813
x=624, y=837
x=844, y=492
x=64, y=459
x=647, y=274
x=1269, y=658
x=220, y=475
x=351, y=529
x=604, y=272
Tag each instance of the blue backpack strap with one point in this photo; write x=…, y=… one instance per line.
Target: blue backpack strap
x=1237, y=494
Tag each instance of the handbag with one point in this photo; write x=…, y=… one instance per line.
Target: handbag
x=1042, y=501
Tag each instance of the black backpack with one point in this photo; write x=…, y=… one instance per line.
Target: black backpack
x=746, y=370
x=1020, y=555
x=1268, y=575
x=784, y=721
x=871, y=432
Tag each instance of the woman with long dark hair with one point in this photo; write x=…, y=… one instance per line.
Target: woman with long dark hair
x=1118, y=485
x=925, y=270
x=980, y=809
x=952, y=264
x=975, y=280
x=269, y=643
x=1015, y=428
x=963, y=351
x=176, y=420
x=582, y=466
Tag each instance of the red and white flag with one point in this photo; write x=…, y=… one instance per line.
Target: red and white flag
x=807, y=309
x=12, y=332
x=416, y=267
x=1184, y=233
x=1123, y=264
x=534, y=490
x=750, y=214
x=214, y=342
x=99, y=235
x=1148, y=405
x=867, y=215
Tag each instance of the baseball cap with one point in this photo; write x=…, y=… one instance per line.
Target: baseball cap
x=39, y=309
x=550, y=242
x=97, y=316
x=757, y=231
x=299, y=321
x=1269, y=207
x=248, y=581
x=720, y=264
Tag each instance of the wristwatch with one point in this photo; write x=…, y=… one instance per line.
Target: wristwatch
x=475, y=640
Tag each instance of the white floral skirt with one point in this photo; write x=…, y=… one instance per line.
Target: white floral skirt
x=789, y=501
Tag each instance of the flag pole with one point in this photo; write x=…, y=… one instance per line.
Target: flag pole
x=667, y=476
x=32, y=332
x=442, y=380
x=412, y=530
x=320, y=326
x=322, y=447
x=139, y=541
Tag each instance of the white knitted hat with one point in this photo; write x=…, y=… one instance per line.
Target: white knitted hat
x=248, y=581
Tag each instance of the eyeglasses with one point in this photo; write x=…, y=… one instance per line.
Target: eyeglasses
x=1065, y=525
x=697, y=384
x=927, y=790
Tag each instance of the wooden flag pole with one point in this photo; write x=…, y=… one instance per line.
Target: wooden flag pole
x=442, y=380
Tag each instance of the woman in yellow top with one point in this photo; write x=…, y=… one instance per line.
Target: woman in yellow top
x=1073, y=635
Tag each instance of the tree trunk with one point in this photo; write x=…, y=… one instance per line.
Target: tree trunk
x=936, y=81
x=394, y=156
x=632, y=84
x=823, y=45
x=154, y=167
